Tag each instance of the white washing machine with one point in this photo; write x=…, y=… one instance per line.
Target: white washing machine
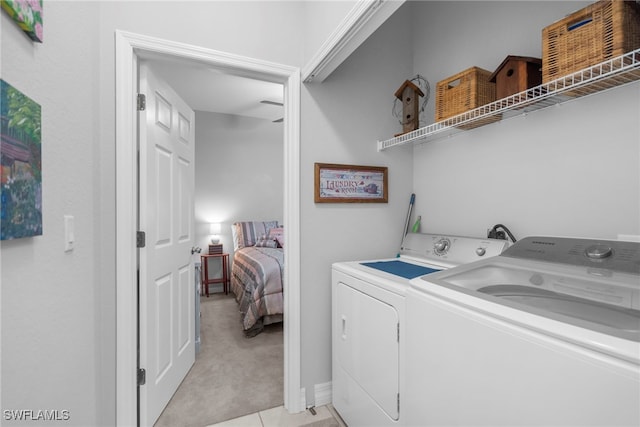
x=368, y=322
x=547, y=333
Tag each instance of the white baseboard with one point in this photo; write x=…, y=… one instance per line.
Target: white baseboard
x=323, y=394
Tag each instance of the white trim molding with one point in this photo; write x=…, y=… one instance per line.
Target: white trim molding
x=323, y=393
x=129, y=47
x=303, y=398
x=361, y=21
x=126, y=213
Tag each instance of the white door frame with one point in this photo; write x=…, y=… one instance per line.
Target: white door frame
x=128, y=45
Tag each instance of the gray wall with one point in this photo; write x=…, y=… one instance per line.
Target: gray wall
x=58, y=309
x=53, y=347
x=239, y=173
x=570, y=170
x=341, y=120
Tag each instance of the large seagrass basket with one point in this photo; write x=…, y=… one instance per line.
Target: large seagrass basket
x=594, y=34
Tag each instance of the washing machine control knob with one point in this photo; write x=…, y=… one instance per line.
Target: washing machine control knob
x=442, y=246
x=481, y=251
x=599, y=251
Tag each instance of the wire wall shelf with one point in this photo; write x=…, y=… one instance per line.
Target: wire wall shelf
x=606, y=75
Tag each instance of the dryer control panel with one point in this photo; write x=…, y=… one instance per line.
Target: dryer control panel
x=452, y=249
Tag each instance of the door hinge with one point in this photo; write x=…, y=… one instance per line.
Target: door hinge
x=398, y=402
x=142, y=376
x=141, y=239
x=141, y=103
x=398, y=332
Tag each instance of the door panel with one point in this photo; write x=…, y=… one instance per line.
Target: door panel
x=184, y=198
x=167, y=306
x=163, y=337
x=185, y=297
x=163, y=178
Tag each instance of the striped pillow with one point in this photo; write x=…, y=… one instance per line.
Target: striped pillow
x=277, y=234
x=266, y=243
x=247, y=233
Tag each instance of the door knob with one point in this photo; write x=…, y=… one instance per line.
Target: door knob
x=195, y=249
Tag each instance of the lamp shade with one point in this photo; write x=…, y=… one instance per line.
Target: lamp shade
x=215, y=228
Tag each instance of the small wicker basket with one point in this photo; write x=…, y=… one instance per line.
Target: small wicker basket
x=594, y=34
x=464, y=91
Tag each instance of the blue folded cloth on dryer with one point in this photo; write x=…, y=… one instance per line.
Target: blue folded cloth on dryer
x=400, y=268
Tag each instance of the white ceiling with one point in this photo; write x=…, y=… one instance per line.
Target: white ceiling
x=207, y=89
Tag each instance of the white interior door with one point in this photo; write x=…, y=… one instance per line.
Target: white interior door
x=166, y=310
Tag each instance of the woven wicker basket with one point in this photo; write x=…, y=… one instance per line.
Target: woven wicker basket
x=464, y=91
x=596, y=33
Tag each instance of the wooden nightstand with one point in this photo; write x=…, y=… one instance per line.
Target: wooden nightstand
x=206, y=280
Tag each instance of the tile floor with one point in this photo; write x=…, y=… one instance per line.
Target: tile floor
x=279, y=417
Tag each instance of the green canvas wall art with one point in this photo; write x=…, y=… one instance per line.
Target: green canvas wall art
x=21, y=165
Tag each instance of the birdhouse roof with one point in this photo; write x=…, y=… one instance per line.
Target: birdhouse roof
x=510, y=58
x=406, y=84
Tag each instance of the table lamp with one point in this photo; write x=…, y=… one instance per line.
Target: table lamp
x=215, y=228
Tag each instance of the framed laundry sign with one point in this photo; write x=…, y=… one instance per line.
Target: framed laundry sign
x=350, y=184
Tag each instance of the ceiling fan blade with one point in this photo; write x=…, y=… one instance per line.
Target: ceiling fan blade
x=279, y=104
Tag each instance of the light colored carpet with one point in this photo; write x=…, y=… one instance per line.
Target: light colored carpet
x=233, y=375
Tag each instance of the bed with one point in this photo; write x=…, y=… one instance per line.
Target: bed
x=257, y=273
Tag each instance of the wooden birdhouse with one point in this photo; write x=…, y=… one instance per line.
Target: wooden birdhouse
x=516, y=74
x=410, y=95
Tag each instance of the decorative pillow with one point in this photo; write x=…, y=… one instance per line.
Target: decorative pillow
x=277, y=234
x=266, y=243
x=247, y=233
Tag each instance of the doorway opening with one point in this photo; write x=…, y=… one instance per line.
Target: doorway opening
x=129, y=47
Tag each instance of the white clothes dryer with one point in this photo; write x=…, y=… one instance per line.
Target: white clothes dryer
x=368, y=323
x=547, y=333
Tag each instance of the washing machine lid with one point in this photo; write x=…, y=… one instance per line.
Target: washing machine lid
x=559, y=279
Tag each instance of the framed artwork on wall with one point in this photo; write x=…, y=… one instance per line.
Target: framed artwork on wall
x=350, y=184
x=20, y=166
x=28, y=16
